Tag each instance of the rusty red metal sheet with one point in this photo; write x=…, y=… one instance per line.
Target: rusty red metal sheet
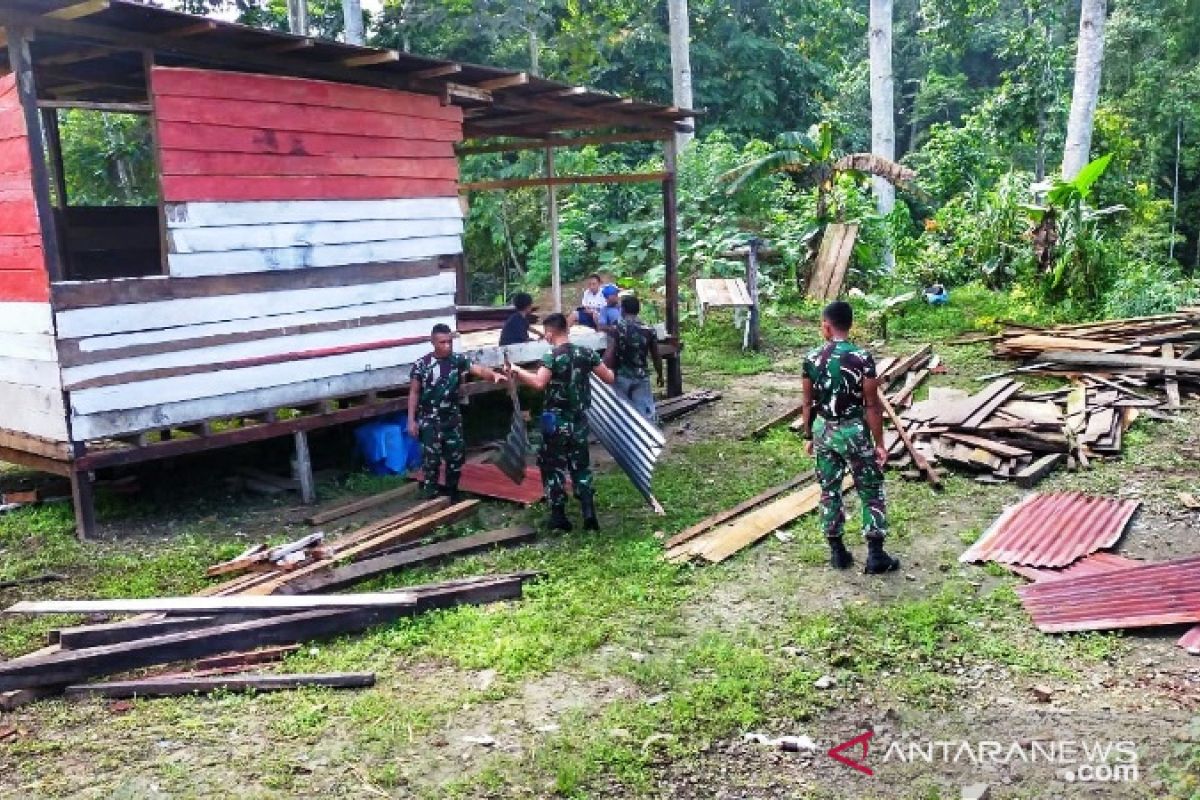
x=1094, y=564
x=1191, y=641
x=1166, y=593
x=487, y=480
x=1053, y=530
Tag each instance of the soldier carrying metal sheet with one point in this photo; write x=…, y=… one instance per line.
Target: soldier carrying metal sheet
x=563, y=375
x=435, y=412
x=841, y=386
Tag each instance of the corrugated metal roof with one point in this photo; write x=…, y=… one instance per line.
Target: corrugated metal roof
x=1053, y=530
x=487, y=480
x=633, y=442
x=1191, y=641
x=1094, y=564
x=511, y=456
x=1167, y=593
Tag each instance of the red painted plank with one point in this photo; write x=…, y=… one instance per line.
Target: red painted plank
x=487, y=480
x=14, y=157
x=12, y=123
x=180, y=188
x=223, y=139
x=26, y=285
x=184, y=162
x=216, y=85
x=18, y=218
x=290, y=117
x=22, y=259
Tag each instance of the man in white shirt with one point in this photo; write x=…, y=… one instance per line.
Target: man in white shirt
x=592, y=303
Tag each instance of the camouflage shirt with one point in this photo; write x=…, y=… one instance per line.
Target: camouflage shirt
x=440, y=381
x=569, y=391
x=837, y=371
x=633, y=343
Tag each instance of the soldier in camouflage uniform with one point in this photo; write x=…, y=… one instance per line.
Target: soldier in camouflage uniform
x=563, y=375
x=843, y=417
x=631, y=345
x=435, y=413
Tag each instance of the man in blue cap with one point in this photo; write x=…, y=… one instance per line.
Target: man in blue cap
x=610, y=315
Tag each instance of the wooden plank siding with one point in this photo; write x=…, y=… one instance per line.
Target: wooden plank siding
x=22, y=262
x=313, y=232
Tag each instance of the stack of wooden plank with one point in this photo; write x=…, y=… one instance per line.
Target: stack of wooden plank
x=1162, y=351
x=270, y=603
x=675, y=407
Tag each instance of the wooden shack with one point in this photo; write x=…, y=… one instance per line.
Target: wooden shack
x=306, y=236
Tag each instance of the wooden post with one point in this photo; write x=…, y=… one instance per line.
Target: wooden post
x=54, y=151
x=82, y=497
x=671, y=256
x=303, y=469
x=754, y=340
x=19, y=60
x=555, y=264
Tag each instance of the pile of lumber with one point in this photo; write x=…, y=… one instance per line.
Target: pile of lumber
x=1006, y=432
x=1160, y=352
x=720, y=536
x=675, y=407
x=269, y=603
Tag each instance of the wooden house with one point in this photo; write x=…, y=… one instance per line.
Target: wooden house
x=307, y=231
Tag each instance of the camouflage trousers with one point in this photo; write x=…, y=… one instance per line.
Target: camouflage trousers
x=565, y=452
x=441, y=440
x=842, y=445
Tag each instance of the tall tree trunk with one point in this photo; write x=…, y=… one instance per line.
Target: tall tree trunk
x=883, y=119
x=681, y=63
x=1175, y=187
x=1089, y=57
x=535, y=52
x=352, y=20
x=298, y=17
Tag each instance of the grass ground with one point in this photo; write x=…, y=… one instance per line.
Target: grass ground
x=619, y=675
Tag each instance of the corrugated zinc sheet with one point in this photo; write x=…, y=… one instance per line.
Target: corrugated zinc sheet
x=1053, y=530
x=487, y=480
x=1167, y=593
x=1094, y=564
x=1191, y=641
x=511, y=455
x=633, y=442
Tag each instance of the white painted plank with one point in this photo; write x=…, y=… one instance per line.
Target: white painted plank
x=306, y=234
x=26, y=372
x=254, y=349
x=22, y=317
x=192, y=332
x=33, y=410
x=223, y=308
x=213, y=384
x=268, y=212
x=212, y=605
x=191, y=265
x=113, y=423
x=31, y=346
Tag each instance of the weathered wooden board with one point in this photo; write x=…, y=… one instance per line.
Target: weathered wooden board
x=307, y=234
x=829, y=273
x=182, y=136
x=222, y=214
x=26, y=317
x=334, y=255
x=27, y=372
x=354, y=506
x=81, y=636
x=708, y=523
x=233, y=604
x=35, y=410
x=174, y=687
x=170, y=314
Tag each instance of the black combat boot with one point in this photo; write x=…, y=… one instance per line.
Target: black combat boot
x=878, y=561
x=839, y=556
x=590, y=523
x=558, y=519
x=452, y=493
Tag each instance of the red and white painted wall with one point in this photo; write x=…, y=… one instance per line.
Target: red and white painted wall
x=31, y=398
x=310, y=236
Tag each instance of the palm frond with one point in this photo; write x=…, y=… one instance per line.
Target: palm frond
x=754, y=170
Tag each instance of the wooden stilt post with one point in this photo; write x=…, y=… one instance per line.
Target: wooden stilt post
x=82, y=497
x=753, y=339
x=555, y=264
x=303, y=469
x=671, y=256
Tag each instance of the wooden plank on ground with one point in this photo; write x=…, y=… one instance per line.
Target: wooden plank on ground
x=708, y=523
x=334, y=578
x=209, y=605
x=919, y=460
x=81, y=636
x=386, y=524
x=991, y=446
x=1171, y=386
x=961, y=411
x=264, y=656
x=786, y=416
x=405, y=533
x=354, y=506
x=1119, y=361
x=1028, y=477
x=174, y=687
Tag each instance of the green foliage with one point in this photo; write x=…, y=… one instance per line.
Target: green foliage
x=107, y=159
x=1145, y=288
